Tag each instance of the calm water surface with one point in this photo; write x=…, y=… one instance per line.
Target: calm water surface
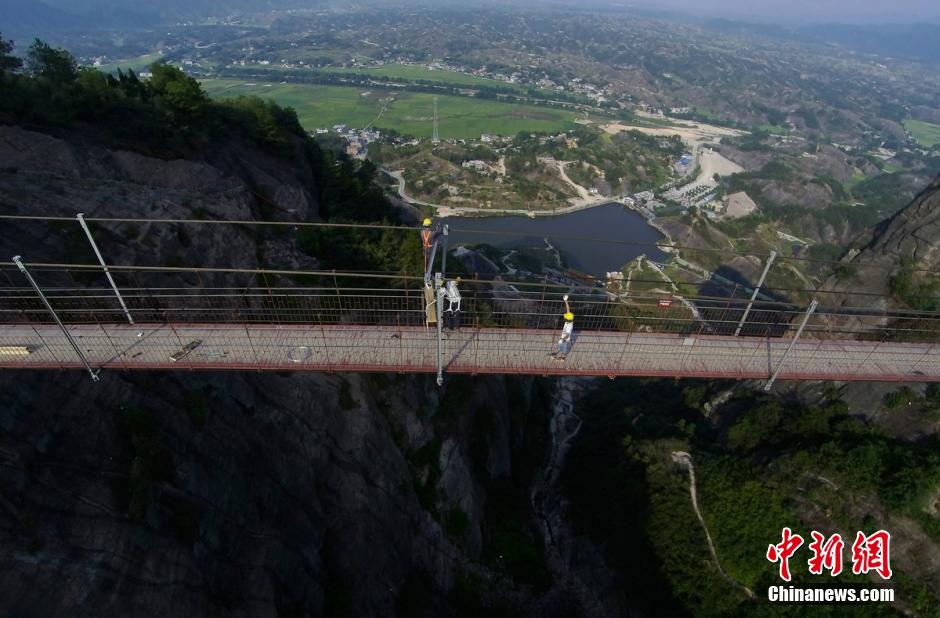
x=609, y=222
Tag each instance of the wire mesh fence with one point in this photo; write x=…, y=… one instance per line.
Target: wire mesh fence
x=81, y=295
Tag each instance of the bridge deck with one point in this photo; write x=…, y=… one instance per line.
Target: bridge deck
x=469, y=350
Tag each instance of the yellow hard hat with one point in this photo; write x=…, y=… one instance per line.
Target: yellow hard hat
x=427, y=223
x=569, y=316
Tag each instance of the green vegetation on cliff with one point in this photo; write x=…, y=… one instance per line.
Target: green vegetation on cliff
x=915, y=289
x=761, y=463
x=167, y=115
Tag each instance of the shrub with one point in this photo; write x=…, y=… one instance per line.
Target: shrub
x=899, y=398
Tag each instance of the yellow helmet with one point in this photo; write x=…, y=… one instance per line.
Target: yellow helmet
x=569, y=316
x=427, y=223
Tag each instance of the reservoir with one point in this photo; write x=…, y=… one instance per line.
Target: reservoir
x=633, y=236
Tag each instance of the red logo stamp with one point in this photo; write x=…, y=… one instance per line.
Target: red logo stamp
x=872, y=553
x=869, y=553
x=783, y=551
x=826, y=555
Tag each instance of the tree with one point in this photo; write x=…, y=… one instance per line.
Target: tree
x=56, y=65
x=96, y=90
x=177, y=91
x=131, y=85
x=8, y=62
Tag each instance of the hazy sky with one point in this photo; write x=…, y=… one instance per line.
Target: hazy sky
x=795, y=11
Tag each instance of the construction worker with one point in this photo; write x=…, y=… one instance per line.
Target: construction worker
x=567, y=331
x=452, y=295
x=428, y=236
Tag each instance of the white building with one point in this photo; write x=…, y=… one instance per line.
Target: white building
x=476, y=164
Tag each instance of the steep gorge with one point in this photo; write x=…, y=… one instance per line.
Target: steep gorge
x=249, y=494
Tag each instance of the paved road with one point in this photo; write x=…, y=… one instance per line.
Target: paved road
x=377, y=348
x=457, y=211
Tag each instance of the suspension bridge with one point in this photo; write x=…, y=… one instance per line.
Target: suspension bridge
x=100, y=316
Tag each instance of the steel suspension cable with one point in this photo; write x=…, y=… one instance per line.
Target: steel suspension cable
x=314, y=224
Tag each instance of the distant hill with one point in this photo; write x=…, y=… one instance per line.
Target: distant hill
x=26, y=19
x=171, y=10
x=747, y=27
x=914, y=41
x=19, y=18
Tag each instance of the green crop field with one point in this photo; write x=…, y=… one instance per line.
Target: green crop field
x=317, y=106
x=412, y=72
x=773, y=129
x=409, y=113
x=926, y=133
x=141, y=63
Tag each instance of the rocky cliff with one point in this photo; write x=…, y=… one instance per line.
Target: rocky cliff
x=249, y=494
x=907, y=243
x=169, y=494
x=66, y=173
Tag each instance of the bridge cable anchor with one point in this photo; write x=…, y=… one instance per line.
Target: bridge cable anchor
x=19, y=263
x=104, y=267
x=760, y=282
x=796, y=337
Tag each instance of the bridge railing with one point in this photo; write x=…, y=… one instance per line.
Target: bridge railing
x=80, y=295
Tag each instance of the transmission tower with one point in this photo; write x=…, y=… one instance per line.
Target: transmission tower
x=435, y=138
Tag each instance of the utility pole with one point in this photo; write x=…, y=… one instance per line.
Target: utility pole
x=439, y=295
x=439, y=239
x=444, y=254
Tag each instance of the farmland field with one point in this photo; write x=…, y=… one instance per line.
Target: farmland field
x=412, y=72
x=141, y=63
x=409, y=113
x=926, y=133
x=773, y=129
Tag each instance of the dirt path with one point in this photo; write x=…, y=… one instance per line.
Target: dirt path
x=457, y=211
x=382, y=111
x=501, y=166
x=685, y=460
x=675, y=288
x=581, y=191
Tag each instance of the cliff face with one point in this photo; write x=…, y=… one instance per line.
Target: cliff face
x=248, y=494
x=68, y=173
x=912, y=236
x=173, y=494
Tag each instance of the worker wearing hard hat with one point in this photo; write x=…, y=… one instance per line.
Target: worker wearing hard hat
x=567, y=331
x=426, y=233
x=428, y=236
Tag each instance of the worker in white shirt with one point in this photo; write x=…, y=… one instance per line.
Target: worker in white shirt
x=567, y=331
x=452, y=313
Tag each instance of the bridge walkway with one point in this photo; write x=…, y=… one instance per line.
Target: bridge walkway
x=259, y=347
